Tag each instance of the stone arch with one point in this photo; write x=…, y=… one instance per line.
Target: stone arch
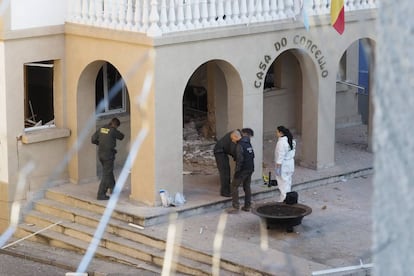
x=355, y=64
x=86, y=122
x=292, y=101
x=219, y=85
x=224, y=95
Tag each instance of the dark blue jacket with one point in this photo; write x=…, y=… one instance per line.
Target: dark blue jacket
x=244, y=157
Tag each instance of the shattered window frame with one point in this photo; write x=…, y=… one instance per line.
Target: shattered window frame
x=39, y=95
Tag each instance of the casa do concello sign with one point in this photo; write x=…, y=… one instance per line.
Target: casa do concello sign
x=299, y=41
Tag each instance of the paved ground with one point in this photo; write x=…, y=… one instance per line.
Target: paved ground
x=337, y=233
x=16, y=266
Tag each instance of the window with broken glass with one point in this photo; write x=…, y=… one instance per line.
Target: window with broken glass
x=39, y=112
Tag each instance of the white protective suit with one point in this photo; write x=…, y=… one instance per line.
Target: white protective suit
x=286, y=157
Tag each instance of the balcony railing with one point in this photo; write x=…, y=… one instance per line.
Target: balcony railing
x=158, y=17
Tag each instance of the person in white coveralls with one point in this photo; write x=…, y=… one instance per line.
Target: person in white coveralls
x=284, y=160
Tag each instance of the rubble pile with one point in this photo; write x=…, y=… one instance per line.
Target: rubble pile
x=198, y=156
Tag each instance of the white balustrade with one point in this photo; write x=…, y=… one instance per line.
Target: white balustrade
x=158, y=17
x=90, y=11
x=145, y=16
x=266, y=11
x=326, y=6
x=78, y=11
x=129, y=16
x=289, y=9
x=281, y=9
x=236, y=12
x=122, y=9
x=188, y=15
x=196, y=14
x=106, y=13
x=137, y=16
x=250, y=11
x=349, y=5
x=228, y=12
x=98, y=13
x=204, y=13
x=180, y=16
x=84, y=12
x=114, y=13
x=273, y=10
x=258, y=11
x=220, y=12
x=243, y=11
x=212, y=18
x=371, y=4
x=317, y=7
x=171, y=17
x=154, y=29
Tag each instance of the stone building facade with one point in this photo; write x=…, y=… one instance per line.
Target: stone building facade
x=254, y=63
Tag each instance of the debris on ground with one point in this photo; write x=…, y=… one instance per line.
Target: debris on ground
x=198, y=155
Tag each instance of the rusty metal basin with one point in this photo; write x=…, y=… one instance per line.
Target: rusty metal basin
x=281, y=215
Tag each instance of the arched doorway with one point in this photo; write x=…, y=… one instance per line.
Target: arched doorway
x=353, y=102
x=111, y=100
x=288, y=97
x=199, y=124
x=282, y=95
x=95, y=85
x=212, y=106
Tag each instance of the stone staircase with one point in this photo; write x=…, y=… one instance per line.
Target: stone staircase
x=120, y=243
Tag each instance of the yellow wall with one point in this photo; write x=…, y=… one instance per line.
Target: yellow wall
x=129, y=53
x=18, y=48
x=4, y=206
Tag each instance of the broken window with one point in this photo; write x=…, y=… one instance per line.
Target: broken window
x=110, y=91
x=38, y=94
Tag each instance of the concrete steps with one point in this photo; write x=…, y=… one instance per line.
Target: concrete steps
x=120, y=243
x=56, y=239
x=115, y=248
x=91, y=219
x=148, y=220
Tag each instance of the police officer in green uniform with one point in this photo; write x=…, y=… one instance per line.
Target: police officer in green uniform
x=105, y=138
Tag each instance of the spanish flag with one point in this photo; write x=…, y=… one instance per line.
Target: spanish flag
x=338, y=15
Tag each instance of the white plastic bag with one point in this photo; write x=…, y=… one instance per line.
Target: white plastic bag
x=179, y=199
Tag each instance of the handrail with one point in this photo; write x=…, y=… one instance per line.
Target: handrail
x=351, y=84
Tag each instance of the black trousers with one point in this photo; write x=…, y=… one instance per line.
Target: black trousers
x=108, y=178
x=223, y=166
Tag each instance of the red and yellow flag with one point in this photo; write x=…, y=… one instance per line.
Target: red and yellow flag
x=338, y=15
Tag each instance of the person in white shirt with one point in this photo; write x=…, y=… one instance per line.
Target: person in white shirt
x=284, y=160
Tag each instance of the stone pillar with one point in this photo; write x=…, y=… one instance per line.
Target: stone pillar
x=318, y=118
x=80, y=102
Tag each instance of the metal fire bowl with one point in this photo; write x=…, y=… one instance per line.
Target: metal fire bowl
x=279, y=214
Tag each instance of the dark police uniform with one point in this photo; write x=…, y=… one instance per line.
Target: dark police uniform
x=243, y=173
x=222, y=149
x=105, y=138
